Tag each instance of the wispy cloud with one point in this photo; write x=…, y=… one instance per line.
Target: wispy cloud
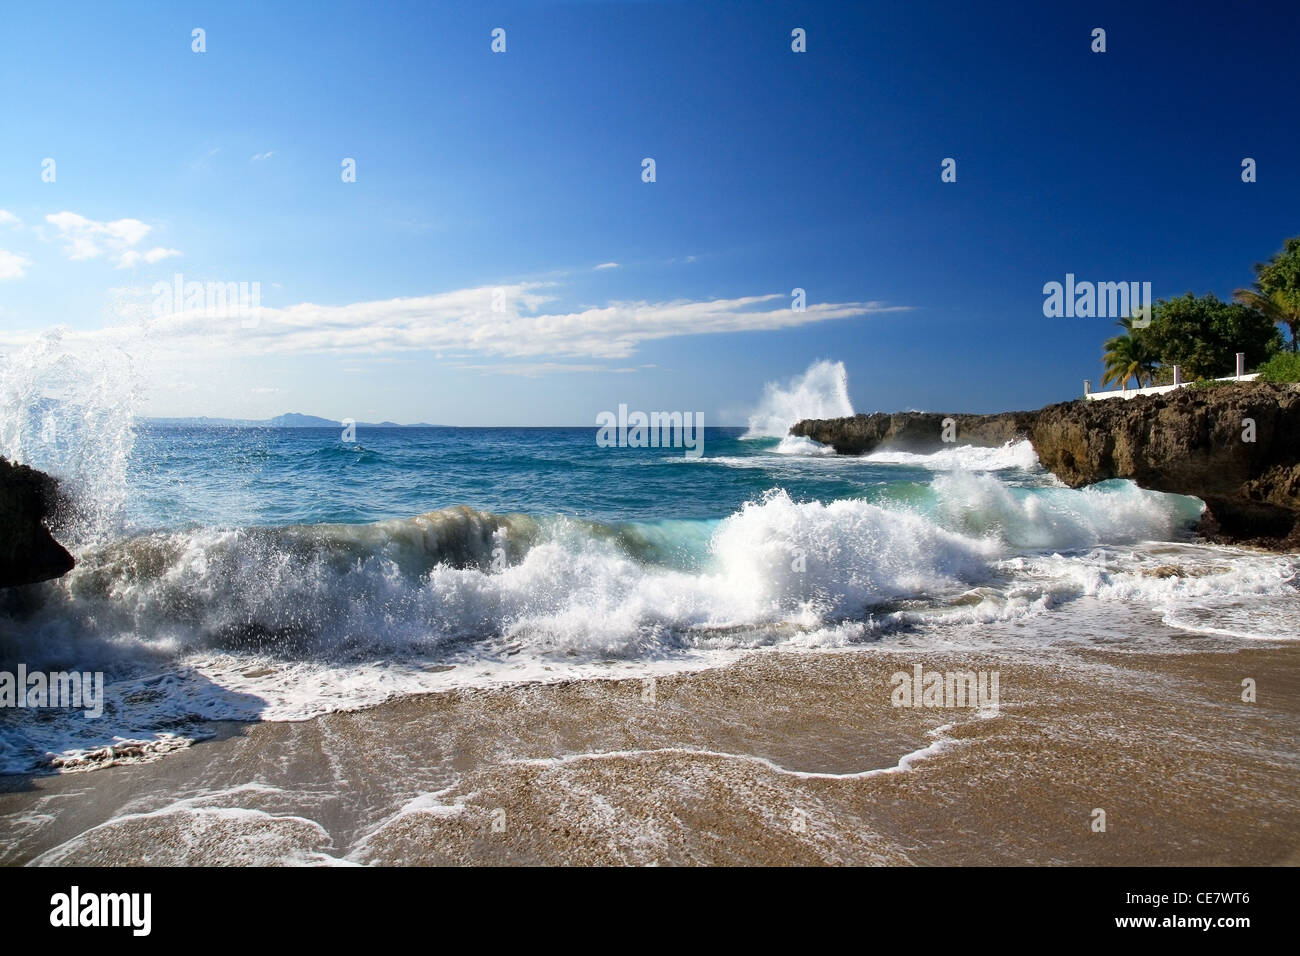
x=9, y=219
x=607, y=265
x=463, y=324
x=540, y=369
x=202, y=161
x=12, y=265
x=84, y=238
x=258, y=157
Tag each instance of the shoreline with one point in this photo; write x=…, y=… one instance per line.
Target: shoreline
x=773, y=759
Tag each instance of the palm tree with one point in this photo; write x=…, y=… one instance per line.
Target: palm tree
x=1277, y=289
x=1277, y=305
x=1127, y=356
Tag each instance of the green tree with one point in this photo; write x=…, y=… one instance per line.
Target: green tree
x=1283, y=367
x=1128, y=356
x=1203, y=335
x=1277, y=290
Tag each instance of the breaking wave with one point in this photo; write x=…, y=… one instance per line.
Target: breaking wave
x=563, y=585
x=291, y=622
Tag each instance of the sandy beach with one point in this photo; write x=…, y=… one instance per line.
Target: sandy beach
x=781, y=758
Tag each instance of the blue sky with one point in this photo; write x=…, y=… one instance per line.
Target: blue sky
x=521, y=171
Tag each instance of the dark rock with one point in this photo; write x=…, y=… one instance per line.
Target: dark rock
x=914, y=431
x=1190, y=442
x=28, y=552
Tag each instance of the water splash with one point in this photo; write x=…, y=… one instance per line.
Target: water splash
x=822, y=391
x=72, y=415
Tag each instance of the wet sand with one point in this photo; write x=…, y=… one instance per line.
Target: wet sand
x=781, y=758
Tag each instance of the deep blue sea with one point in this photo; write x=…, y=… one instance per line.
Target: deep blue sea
x=186, y=476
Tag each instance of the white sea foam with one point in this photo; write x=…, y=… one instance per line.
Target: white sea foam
x=799, y=445
x=1013, y=455
x=565, y=588
x=202, y=830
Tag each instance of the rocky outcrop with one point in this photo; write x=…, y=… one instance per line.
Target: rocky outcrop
x=914, y=431
x=28, y=552
x=1236, y=446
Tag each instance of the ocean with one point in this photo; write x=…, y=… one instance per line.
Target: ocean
x=254, y=574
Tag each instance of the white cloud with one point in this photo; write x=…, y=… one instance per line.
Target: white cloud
x=132, y=257
x=12, y=265
x=463, y=325
x=607, y=265
x=88, y=239
x=258, y=157
x=9, y=219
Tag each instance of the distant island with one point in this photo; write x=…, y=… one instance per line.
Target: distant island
x=289, y=420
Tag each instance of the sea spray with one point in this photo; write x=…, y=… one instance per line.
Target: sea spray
x=822, y=391
x=72, y=415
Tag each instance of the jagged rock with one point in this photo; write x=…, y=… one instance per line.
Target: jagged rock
x=28, y=552
x=913, y=431
x=1190, y=441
